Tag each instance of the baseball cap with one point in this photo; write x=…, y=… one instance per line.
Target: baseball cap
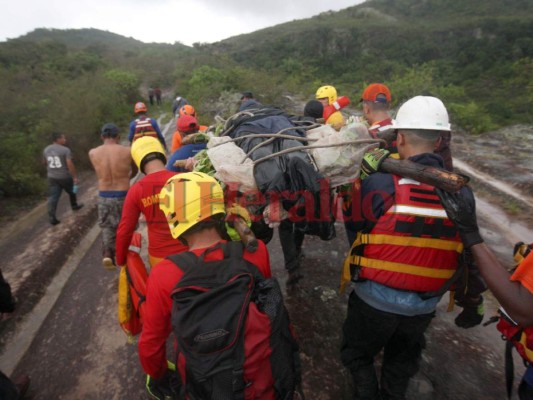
x=187, y=124
x=376, y=93
x=109, y=130
x=250, y=95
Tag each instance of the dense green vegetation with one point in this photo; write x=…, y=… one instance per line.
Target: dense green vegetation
x=477, y=56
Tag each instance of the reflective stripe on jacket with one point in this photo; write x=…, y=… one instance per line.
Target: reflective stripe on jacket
x=413, y=246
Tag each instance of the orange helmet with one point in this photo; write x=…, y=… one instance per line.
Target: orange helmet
x=140, y=107
x=187, y=109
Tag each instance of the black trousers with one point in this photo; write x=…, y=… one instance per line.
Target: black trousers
x=55, y=187
x=291, y=244
x=366, y=332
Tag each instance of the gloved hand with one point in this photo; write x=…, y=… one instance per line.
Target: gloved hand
x=472, y=314
x=372, y=160
x=165, y=388
x=462, y=215
x=232, y=212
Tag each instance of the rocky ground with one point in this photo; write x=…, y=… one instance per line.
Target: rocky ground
x=458, y=364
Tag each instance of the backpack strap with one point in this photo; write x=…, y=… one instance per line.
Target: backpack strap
x=235, y=250
x=184, y=261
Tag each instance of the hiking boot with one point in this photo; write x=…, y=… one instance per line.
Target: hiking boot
x=108, y=260
x=77, y=207
x=294, y=276
x=22, y=383
x=54, y=221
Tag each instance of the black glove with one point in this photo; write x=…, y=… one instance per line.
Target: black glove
x=463, y=215
x=472, y=314
x=372, y=160
x=165, y=388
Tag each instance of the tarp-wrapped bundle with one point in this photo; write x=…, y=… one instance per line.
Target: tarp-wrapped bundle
x=231, y=163
x=281, y=167
x=338, y=155
x=267, y=150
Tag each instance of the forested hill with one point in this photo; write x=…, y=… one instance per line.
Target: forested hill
x=482, y=48
x=477, y=56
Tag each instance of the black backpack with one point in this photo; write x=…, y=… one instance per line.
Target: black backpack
x=230, y=321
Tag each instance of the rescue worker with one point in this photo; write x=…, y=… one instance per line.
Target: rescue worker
x=195, y=217
x=376, y=99
x=144, y=126
x=187, y=109
x=113, y=166
x=186, y=126
x=143, y=197
x=405, y=257
x=327, y=95
x=514, y=292
x=182, y=148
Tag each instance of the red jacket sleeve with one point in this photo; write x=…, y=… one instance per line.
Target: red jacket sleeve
x=156, y=320
x=260, y=259
x=126, y=227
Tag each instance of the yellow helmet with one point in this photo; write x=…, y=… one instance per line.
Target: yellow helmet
x=327, y=91
x=146, y=149
x=189, y=198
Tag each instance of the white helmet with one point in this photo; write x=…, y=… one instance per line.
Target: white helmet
x=422, y=112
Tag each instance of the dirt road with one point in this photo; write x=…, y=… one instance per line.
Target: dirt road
x=77, y=351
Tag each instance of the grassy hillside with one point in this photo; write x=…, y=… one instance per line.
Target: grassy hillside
x=477, y=56
x=482, y=48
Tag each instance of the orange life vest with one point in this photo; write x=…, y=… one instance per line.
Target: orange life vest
x=413, y=246
x=522, y=338
x=143, y=127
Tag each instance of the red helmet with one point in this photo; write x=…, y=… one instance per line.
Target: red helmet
x=187, y=124
x=187, y=109
x=140, y=108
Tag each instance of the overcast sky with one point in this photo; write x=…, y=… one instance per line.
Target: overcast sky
x=161, y=21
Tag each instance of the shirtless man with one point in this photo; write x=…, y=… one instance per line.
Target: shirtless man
x=114, y=168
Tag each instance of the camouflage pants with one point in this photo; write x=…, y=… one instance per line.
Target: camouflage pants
x=109, y=213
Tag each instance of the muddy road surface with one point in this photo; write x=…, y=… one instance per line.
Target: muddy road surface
x=66, y=336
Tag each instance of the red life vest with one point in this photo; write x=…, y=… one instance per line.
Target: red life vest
x=522, y=338
x=143, y=127
x=379, y=127
x=413, y=246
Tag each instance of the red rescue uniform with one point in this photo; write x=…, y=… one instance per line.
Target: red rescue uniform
x=158, y=307
x=143, y=197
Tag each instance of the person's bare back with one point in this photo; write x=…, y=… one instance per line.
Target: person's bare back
x=113, y=166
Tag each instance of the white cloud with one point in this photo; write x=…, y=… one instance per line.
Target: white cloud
x=162, y=21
